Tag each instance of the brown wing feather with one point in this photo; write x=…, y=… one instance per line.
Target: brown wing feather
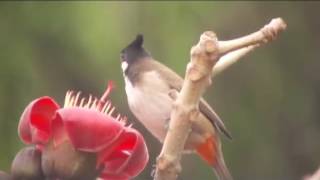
x=175, y=82
x=213, y=117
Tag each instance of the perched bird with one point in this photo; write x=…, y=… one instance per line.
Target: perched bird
x=150, y=87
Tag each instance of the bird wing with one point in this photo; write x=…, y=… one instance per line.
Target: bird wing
x=175, y=82
x=213, y=117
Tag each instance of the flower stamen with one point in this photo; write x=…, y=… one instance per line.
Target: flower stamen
x=76, y=98
x=111, y=111
x=107, y=92
x=82, y=102
x=106, y=107
x=89, y=102
x=118, y=117
x=102, y=105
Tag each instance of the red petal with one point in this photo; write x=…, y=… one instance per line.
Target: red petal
x=128, y=159
x=35, y=121
x=58, y=131
x=90, y=130
x=24, y=125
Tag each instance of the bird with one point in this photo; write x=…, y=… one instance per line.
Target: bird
x=152, y=87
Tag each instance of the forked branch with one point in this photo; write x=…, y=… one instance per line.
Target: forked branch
x=248, y=43
x=204, y=56
x=231, y=58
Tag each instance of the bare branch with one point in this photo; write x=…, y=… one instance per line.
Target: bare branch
x=231, y=58
x=198, y=76
x=204, y=56
x=234, y=50
x=267, y=33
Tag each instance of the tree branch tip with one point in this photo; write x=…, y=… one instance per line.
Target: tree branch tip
x=267, y=33
x=208, y=40
x=271, y=30
x=209, y=35
x=279, y=22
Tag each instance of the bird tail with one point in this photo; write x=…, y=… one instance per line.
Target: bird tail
x=221, y=170
x=212, y=154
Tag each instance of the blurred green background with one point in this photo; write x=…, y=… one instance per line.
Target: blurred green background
x=270, y=100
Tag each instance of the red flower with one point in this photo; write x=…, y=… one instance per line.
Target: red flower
x=90, y=127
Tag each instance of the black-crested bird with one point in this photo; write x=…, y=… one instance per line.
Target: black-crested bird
x=151, y=88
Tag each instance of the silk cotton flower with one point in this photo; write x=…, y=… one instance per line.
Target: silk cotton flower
x=83, y=139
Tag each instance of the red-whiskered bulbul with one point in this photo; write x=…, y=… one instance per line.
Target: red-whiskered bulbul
x=150, y=86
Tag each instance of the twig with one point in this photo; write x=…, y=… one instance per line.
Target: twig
x=248, y=44
x=231, y=58
x=267, y=33
x=204, y=56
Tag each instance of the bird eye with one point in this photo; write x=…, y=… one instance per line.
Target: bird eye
x=122, y=56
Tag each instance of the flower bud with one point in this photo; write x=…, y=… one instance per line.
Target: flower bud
x=27, y=165
x=64, y=162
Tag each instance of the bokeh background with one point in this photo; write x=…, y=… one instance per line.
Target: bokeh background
x=270, y=100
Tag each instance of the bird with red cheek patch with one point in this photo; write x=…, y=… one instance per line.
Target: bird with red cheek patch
x=82, y=139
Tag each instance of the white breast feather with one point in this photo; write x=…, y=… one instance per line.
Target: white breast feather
x=124, y=66
x=150, y=104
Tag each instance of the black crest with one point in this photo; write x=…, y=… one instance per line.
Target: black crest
x=138, y=42
x=134, y=50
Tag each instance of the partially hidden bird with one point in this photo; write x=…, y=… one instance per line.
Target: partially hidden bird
x=151, y=88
